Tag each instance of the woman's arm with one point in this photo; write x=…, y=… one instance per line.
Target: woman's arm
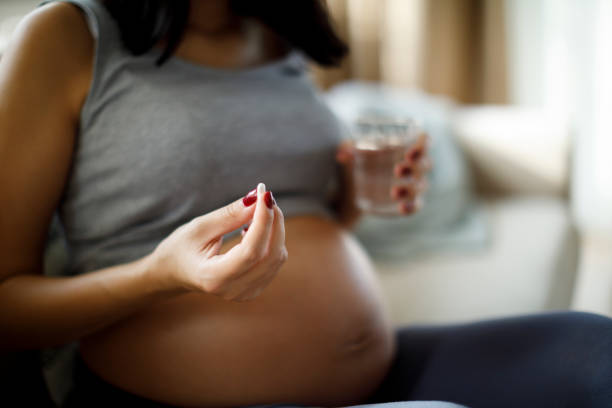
x=44, y=78
x=38, y=311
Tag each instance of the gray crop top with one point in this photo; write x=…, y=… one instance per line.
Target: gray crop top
x=158, y=146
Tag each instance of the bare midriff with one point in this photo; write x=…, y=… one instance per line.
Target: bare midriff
x=318, y=335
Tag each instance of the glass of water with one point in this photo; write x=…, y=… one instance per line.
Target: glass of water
x=379, y=144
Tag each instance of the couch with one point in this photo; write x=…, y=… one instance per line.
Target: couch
x=515, y=249
x=530, y=259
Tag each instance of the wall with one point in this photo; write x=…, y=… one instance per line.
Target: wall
x=10, y=12
x=16, y=7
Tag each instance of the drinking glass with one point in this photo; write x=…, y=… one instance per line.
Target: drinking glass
x=379, y=145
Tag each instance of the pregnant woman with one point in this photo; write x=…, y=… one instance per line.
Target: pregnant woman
x=148, y=126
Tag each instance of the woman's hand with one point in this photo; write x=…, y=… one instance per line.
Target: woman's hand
x=189, y=258
x=411, y=173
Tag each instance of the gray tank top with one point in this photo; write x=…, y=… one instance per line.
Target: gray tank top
x=158, y=146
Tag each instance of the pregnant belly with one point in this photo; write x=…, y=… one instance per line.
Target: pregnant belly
x=318, y=335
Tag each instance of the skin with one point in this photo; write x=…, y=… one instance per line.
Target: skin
x=205, y=317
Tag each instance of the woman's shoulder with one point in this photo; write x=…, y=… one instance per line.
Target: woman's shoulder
x=56, y=38
x=61, y=25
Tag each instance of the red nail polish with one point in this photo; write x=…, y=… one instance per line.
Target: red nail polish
x=416, y=155
x=272, y=197
x=245, y=229
x=250, y=198
x=397, y=192
x=402, y=192
x=406, y=171
x=269, y=199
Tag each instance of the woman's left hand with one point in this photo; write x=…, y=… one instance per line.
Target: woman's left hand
x=411, y=171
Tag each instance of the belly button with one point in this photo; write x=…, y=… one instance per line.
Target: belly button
x=360, y=342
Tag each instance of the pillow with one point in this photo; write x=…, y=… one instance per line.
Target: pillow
x=450, y=216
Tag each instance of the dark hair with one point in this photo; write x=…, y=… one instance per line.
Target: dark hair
x=303, y=24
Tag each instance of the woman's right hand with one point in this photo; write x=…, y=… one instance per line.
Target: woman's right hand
x=189, y=257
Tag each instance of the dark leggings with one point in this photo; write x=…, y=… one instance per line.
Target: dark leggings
x=560, y=360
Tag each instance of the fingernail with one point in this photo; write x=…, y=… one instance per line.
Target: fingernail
x=250, y=198
x=416, y=155
x=272, y=197
x=245, y=229
x=269, y=199
x=406, y=171
x=402, y=170
x=399, y=192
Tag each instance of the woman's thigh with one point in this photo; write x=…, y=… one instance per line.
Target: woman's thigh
x=561, y=359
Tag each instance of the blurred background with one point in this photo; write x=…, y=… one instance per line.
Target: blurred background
x=533, y=84
x=517, y=98
x=523, y=90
